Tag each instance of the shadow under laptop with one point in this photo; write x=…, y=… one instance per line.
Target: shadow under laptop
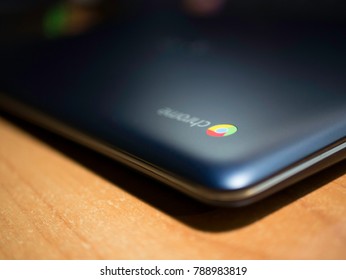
x=188, y=211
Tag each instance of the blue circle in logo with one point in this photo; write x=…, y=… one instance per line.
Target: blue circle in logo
x=221, y=130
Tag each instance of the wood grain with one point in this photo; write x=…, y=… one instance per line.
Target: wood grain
x=62, y=201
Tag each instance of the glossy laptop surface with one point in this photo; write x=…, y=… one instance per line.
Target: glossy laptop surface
x=224, y=110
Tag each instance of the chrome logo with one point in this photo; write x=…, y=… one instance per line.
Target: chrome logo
x=221, y=130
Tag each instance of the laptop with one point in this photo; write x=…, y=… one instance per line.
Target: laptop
x=225, y=108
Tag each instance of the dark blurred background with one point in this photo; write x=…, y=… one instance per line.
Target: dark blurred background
x=31, y=19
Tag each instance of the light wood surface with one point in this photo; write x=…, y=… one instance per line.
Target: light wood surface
x=59, y=200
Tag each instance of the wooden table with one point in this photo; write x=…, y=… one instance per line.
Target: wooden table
x=59, y=200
